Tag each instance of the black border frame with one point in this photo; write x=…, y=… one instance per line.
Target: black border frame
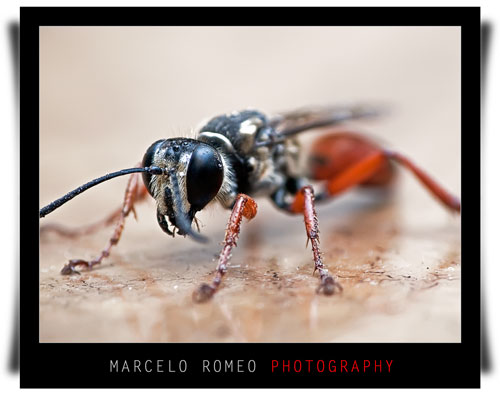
x=420, y=365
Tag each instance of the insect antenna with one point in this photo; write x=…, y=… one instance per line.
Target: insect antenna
x=70, y=195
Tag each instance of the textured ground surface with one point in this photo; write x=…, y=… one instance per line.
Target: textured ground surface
x=399, y=284
x=399, y=263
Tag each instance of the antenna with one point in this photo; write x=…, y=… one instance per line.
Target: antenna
x=70, y=195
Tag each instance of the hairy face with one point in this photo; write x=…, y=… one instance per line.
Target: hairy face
x=194, y=174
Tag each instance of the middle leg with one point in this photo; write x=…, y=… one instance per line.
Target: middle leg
x=304, y=202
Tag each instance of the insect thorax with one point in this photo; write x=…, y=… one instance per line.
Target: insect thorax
x=258, y=170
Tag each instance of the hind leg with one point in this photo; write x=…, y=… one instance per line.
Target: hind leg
x=135, y=192
x=370, y=167
x=445, y=197
x=345, y=160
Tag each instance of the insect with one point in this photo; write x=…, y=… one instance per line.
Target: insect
x=242, y=155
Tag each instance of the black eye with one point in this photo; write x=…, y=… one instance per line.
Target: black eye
x=204, y=176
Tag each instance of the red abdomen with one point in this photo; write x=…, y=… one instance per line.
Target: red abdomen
x=336, y=152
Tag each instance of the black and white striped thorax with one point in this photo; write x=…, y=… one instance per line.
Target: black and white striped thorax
x=258, y=169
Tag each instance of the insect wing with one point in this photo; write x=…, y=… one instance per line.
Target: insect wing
x=300, y=120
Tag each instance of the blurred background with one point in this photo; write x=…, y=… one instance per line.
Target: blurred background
x=107, y=93
x=340, y=97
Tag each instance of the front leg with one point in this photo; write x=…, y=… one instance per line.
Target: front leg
x=304, y=202
x=246, y=207
x=135, y=192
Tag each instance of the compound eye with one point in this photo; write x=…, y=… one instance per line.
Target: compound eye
x=204, y=176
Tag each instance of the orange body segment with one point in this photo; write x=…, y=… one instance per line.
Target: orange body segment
x=334, y=153
x=346, y=159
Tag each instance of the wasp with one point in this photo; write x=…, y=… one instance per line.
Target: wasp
x=242, y=155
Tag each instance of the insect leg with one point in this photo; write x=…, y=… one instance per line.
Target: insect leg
x=432, y=186
x=246, y=207
x=304, y=202
x=66, y=231
x=356, y=173
x=135, y=191
x=347, y=159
